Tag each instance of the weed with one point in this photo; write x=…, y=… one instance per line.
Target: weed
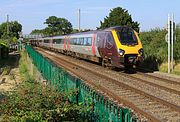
x=6, y=70
x=33, y=102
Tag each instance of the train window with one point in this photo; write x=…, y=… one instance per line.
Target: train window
x=75, y=41
x=89, y=41
x=81, y=41
x=109, y=37
x=109, y=40
x=46, y=41
x=78, y=41
x=72, y=41
x=127, y=36
x=85, y=41
x=57, y=41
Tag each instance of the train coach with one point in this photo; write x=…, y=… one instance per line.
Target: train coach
x=112, y=47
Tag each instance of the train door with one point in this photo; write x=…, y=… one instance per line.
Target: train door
x=68, y=43
x=93, y=45
x=108, y=45
x=51, y=43
x=100, y=43
x=110, y=48
x=64, y=48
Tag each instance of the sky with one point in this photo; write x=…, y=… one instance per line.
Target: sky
x=33, y=13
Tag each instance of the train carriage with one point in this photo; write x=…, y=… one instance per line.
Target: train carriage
x=58, y=43
x=114, y=47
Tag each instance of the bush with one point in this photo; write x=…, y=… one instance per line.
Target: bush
x=33, y=102
x=155, y=47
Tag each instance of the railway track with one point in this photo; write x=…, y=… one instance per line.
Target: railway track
x=148, y=105
x=166, y=79
x=169, y=85
x=161, y=79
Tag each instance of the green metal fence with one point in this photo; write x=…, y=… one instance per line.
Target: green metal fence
x=104, y=110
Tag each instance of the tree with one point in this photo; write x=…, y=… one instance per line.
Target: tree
x=177, y=43
x=119, y=17
x=37, y=31
x=14, y=40
x=14, y=28
x=58, y=26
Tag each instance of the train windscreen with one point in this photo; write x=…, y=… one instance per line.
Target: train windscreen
x=127, y=36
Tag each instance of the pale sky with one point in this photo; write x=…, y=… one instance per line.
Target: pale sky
x=33, y=13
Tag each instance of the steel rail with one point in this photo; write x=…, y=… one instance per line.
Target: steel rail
x=60, y=61
x=150, y=83
x=159, y=78
x=112, y=95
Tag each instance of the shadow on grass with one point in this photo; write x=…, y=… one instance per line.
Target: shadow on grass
x=12, y=61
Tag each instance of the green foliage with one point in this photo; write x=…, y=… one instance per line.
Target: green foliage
x=4, y=43
x=177, y=43
x=14, y=28
x=6, y=70
x=33, y=102
x=14, y=40
x=119, y=17
x=37, y=31
x=23, y=67
x=56, y=26
x=155, y=47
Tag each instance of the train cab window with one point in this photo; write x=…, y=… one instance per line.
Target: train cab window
x=127, y=36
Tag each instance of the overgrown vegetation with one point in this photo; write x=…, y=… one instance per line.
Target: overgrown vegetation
x=155, y=48
x=33, y=102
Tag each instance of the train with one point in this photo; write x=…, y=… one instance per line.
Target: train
x=117, y=46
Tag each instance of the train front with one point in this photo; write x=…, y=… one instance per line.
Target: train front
x=129, y=47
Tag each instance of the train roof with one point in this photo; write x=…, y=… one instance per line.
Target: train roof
x=88, y=32
x=117, y=28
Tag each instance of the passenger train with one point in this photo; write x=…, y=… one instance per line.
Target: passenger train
x=112, y=47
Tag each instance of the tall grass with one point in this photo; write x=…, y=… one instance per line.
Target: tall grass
x=164, y=68
x=23, y=68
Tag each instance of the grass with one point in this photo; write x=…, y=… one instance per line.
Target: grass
x=164, y=68
x=33, y=102
x=177, y=69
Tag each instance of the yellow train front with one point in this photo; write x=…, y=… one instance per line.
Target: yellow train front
x=127, y=50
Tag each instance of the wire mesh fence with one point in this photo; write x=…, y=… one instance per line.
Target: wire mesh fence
x=103, y=109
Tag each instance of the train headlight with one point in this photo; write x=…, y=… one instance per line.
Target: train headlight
x=141, y=52
x=121, y=52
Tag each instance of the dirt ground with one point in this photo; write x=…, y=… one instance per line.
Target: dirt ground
x=9, y=80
